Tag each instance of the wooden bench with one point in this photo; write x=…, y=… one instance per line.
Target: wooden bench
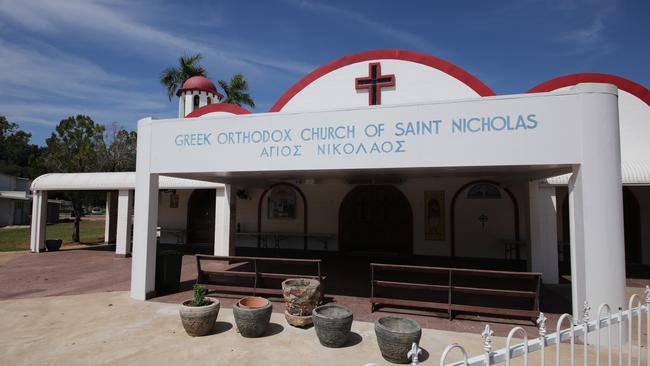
x=475, y=291
x=254, y=275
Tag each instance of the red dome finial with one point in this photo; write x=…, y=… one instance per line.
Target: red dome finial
x=199, y=83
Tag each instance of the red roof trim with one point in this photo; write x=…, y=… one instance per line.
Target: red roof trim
x=218, y=107
x=442, y=65
x=629, y=86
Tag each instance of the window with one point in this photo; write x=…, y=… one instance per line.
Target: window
x=196, y=102
x=484, y=191
x=209, y=100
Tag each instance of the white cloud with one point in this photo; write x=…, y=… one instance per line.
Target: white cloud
x=367, y=23
x=98, y=17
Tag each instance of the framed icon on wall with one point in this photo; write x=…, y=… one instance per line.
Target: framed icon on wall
x=282, y=203
x=434, y=215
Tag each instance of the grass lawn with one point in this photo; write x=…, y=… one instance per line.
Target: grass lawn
x=18, y=238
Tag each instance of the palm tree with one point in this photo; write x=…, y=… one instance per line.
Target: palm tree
x=173, y=77
x=237, y=91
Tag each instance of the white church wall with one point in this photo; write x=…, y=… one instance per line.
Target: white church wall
x=634, y=126
x=324, y=199
x=415, y=82
x=173, y=218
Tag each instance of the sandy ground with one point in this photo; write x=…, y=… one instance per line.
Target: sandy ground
x=112, y=329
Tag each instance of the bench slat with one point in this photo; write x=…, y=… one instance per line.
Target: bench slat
x=493, y=291
x=497, y=311
x=411, y=303
x=423, y=286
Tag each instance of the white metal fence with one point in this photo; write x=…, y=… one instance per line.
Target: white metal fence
x=536, y=349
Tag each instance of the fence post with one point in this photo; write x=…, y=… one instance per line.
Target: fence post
x=647, y=316
x=487, y=343
x=585, y=323
x=541, y=324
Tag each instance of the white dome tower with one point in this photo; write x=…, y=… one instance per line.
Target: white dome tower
x=196, y=92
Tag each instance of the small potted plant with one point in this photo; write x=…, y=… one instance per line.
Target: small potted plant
x=199, y=314
x=252, y=316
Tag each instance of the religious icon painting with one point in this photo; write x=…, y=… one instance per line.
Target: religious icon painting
x=282, y=203
x=434, y=215
x=173, y=200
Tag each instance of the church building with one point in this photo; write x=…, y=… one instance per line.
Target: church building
x=398, y=153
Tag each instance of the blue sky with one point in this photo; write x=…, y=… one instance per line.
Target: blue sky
x=104, y=58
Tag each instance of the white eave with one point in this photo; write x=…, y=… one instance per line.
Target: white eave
x=109, y=181
x=636, y=173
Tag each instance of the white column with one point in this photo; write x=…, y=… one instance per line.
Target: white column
x=110, y=226
x=143, y=265
x=39, y=221
x=596, y=208
x=543, y=231
x=224, y=221
x=124, y=214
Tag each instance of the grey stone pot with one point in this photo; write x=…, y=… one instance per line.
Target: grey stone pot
x=333, y=323
x=53, y=245
x=301, y=296
x=199, y=320
x=252, y=316
x=395, y=335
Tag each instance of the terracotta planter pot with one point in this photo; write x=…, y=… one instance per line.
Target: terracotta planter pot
x=395, y=335
x=199, y=320
x=252, y=316
x=333, y=323
x=53, y=245
x=301, y=296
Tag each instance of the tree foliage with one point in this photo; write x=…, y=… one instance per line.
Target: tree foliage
x=17, y=155
x=119, y=149
x=173, y=78
x=237, y=91
x=76, y=146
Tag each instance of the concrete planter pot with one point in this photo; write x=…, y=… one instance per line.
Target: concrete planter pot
x=252, y=316
x=301, y=296
x=199, y=320
x=333, y=323
x=395, y=335
x=53, y=245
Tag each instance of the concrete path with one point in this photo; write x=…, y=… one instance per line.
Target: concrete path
x=112, y=329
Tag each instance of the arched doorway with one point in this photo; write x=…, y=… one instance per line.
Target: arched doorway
x=631, y=225
x=200, y=217
x=376, y=219
x=483, y=216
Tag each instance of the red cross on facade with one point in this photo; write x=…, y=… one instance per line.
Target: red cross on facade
x=374, y=82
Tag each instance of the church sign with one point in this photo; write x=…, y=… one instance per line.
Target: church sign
x=511, y=131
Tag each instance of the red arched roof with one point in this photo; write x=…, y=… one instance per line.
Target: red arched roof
x=218, y=107
x=199, y=83
x=417, y=57
x=629, y=86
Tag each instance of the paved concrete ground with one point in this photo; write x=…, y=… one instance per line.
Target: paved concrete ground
x=41, y=323
x=112, y=329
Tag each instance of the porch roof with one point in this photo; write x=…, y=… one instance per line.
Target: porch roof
x=109, y=181
x=633, y=173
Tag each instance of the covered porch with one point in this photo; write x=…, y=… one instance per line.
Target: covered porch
x=503, y=160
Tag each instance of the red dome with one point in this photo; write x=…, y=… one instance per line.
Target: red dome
x=199, y=83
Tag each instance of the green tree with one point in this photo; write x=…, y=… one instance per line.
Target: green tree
x=76, y=146
x=237, y=91
x=173, y=78
x=17, y=155
x=119, y=149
